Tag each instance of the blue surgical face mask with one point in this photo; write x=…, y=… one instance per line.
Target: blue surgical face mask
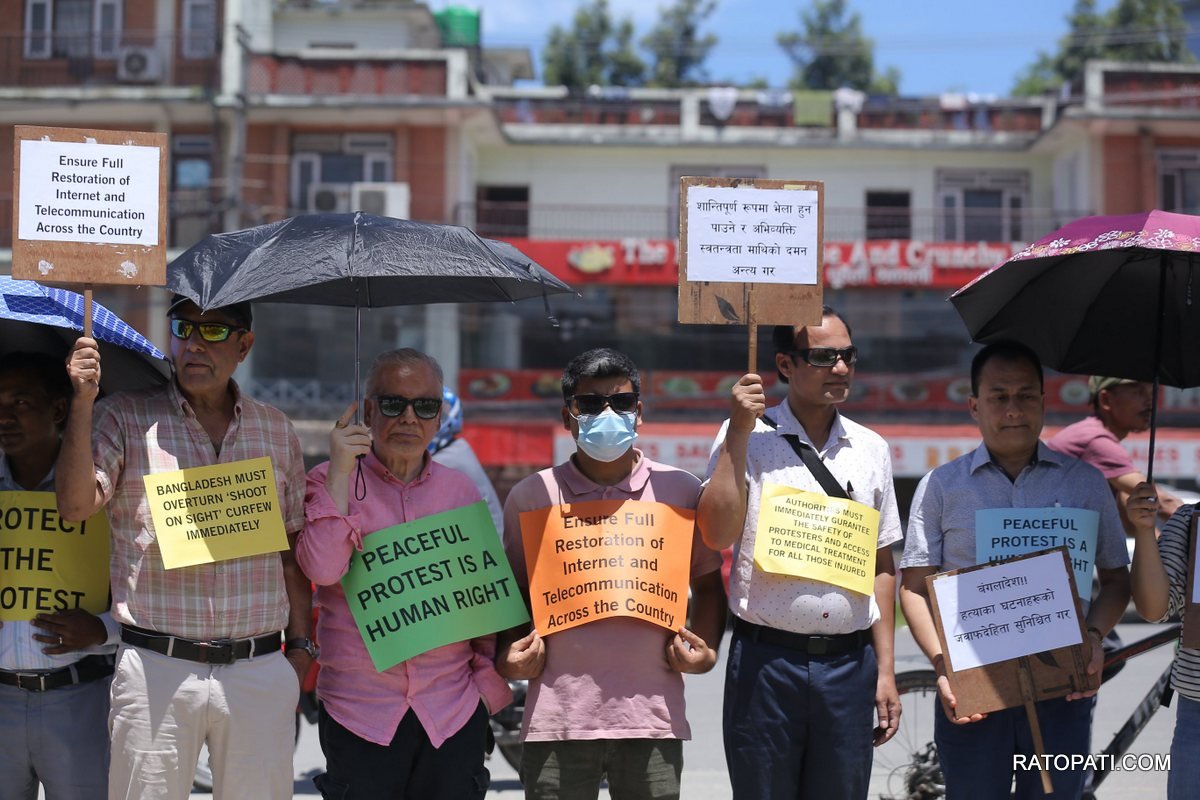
x=606, y=436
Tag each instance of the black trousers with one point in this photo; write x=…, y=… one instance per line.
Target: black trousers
x=410, y=768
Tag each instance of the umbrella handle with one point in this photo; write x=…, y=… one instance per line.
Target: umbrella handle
x=360, y=482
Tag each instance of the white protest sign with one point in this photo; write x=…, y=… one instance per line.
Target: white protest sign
x=89, y=192
x=1006, y=611
x=745, y=234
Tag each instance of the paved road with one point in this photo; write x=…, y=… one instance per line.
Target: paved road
x=704, y=776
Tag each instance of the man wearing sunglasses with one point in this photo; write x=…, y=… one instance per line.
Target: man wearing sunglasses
x=810, y=664
x=419, y=728
x=606, y=697
x=201, y=644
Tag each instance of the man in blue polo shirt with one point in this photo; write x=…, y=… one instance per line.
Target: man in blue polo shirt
x=1010, y=469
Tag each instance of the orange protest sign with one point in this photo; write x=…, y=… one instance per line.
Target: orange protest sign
x=608, y=558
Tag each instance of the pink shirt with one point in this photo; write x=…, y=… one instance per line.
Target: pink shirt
x=443, y=686
x=141, y=433
x=1091, y=442
x=606, y=679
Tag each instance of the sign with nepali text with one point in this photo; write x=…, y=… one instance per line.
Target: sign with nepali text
x=814, y=536
x=207, y=514
x=1004, y=611
x=431, y=582
x=1004, y=533
x=608, y=558
x=48, y=564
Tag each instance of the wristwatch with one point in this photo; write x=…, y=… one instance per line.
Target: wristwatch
x=305, y=644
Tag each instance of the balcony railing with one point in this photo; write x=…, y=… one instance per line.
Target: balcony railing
x=562, y=221
x=133, y=58
x=286, y=75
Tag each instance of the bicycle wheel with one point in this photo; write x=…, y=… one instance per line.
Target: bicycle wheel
x=907, y=768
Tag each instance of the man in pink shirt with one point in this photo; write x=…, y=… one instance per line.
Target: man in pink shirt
x=418, y=729
x=606, y=697
x=1119, y=407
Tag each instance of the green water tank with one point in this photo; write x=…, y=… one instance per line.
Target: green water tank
x=459, y=26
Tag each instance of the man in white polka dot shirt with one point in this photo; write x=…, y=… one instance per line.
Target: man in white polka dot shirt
x=811, y=664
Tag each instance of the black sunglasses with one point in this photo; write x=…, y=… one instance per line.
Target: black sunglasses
x=593, y=404
x=393, y=405
x=827, y=356
x=209, y=331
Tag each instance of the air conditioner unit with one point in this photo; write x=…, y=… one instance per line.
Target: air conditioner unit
x=139, y=64
x=381, y=199
x=329, y=198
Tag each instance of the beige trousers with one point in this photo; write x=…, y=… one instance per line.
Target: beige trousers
x=163, y=709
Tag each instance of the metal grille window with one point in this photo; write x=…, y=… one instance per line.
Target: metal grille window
x=982, y=205
x=1179, y=181
x=199, y=29
x=72, y=28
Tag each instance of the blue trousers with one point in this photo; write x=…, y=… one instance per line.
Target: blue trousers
x=1183, y=782
x=57, y=738
x=798, y=726
x=978, y=758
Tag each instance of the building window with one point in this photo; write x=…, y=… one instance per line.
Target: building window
x=982, y=205
x=199, y=28
x=889, y=215
x=72, y=28
x=1179, y=181
x=325, y=165
x=502, y=211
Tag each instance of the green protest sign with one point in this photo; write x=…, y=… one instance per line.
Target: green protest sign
x=438, y=580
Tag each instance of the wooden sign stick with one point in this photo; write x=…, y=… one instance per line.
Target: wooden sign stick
x=1025, y=675
x=87, y=310
x=752, y=326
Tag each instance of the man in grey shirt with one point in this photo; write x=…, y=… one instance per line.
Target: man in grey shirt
x=1010, y=469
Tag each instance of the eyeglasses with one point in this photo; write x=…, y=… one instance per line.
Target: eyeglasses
x=593, y=404
x=827, y=356
x=393, y=405
x=209, y=331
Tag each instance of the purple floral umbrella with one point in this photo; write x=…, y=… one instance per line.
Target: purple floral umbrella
x=1102, y=296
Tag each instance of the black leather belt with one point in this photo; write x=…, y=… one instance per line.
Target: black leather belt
x=216, y=651
x=85, y=670
x=811, y=643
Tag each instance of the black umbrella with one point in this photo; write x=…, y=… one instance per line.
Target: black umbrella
x=358, y=260
x=1102, y=295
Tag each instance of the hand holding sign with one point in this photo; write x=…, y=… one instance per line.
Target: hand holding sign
x=748, y=403
x=69, y=630
x=688, y=653
x=524, y=659
x=83, y=368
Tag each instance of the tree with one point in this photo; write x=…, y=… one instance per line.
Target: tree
x=676, y=46
x=1133, y=30
x=593, y=51
x=832, y=52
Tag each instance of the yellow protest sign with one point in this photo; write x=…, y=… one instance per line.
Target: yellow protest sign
x=207, y=514
x=818, y=537
x=608, y=558
x=48, y=564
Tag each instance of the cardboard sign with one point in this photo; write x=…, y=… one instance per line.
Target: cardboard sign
x=750, y=251
x=90, y=206
x=48, y=564
x=812, y=535
x=1003, y=533
x=1011, y=633
x=608, y=558
x=431, y=582
x=207, y=514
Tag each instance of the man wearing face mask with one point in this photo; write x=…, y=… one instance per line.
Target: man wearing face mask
x=606, y=697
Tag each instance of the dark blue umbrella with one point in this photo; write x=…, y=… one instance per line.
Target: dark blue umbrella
x=42, y=319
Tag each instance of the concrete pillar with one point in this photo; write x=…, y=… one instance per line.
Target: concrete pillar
x=442, y=339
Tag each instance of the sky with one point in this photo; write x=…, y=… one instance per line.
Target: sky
x=938, y=45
